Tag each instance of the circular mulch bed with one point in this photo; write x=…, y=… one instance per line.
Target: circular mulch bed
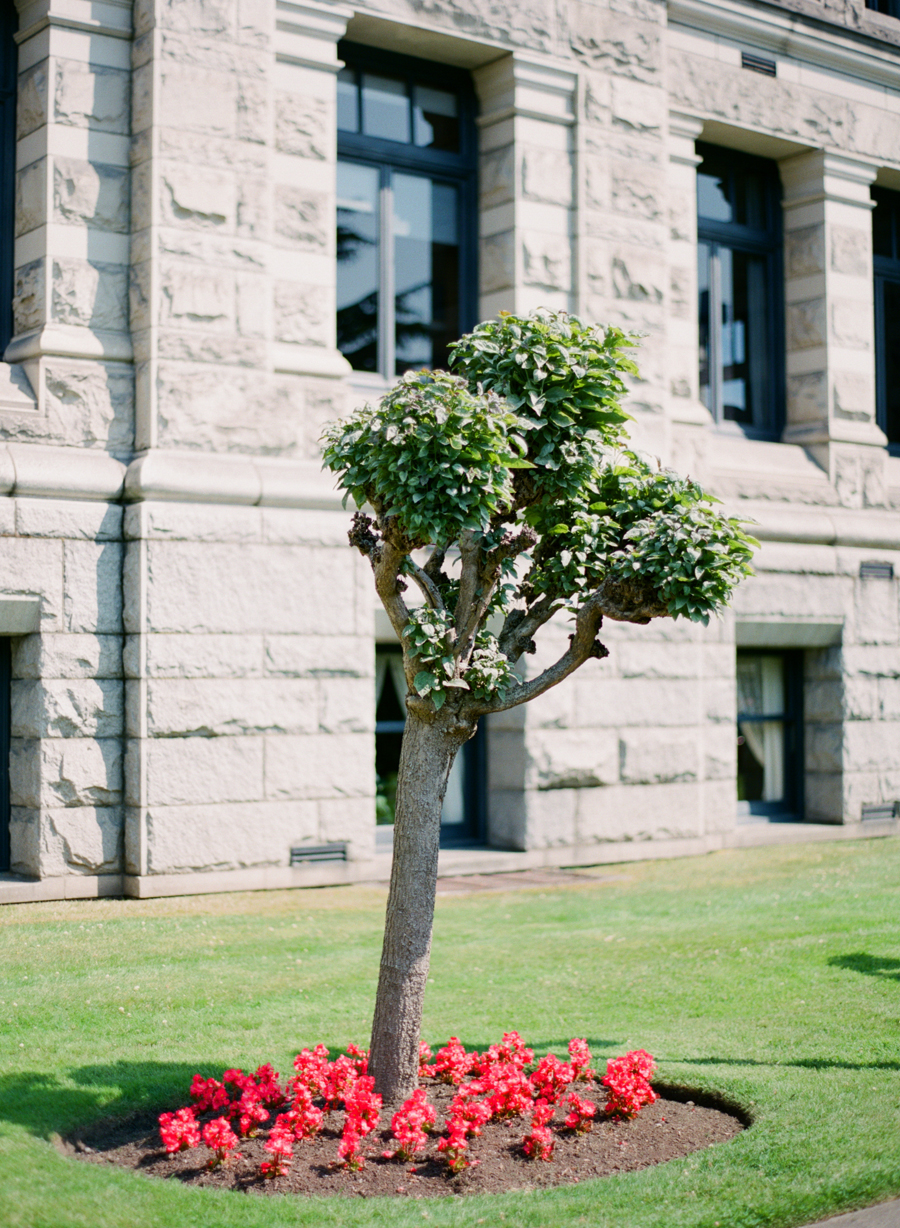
x=673, y=1126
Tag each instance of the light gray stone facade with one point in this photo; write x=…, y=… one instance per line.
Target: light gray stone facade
x=192, y=638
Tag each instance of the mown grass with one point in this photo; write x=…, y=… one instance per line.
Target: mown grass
x=769, y=976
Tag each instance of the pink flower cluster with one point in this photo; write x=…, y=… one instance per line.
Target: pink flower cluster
x=627, y=1081
x=410, y=1126
x=538, y=1144
x=362, y=1106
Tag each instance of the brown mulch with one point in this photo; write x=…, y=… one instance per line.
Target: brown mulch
x=665, y=1130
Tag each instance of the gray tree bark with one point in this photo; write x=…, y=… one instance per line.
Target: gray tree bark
x=426, y=757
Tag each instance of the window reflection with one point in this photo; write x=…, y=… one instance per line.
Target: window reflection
x=385, y=108
x=426, y=255
x=357, y=264
x=435, y=118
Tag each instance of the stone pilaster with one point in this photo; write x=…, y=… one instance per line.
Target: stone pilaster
x=830, y=336
x=71, y=337
x=528, y=193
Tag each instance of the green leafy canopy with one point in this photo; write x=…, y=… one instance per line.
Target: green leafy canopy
x=519, y=461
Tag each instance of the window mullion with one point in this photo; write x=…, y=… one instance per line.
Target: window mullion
x=716, y=391
x=387, y=288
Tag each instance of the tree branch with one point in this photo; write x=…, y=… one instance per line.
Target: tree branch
x=430, y=590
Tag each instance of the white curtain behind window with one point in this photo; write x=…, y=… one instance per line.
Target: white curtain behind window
x=761, y=693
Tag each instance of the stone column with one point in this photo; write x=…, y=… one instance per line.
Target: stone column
x=528, y=193
x=830, y=321
x=72, y=221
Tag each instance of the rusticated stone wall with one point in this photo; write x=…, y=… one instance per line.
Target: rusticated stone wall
x=192, y=637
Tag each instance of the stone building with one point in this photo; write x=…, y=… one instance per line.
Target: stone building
x=187, y=644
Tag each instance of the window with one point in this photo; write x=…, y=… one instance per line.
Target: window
x=462, y=821
x=739, y=280
x=406, y=223
x=770, y=729
x=8, y=82
x=890, y=8
x=886, y=252
x=5, y=721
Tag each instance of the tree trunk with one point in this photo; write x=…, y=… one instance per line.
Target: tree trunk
x=426, y=757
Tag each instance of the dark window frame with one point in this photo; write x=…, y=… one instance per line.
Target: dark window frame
x=793, y=805
x=765, y=241
x=5, y=723
x=886, y=272
x=457, y=169
x=9, y=61
x=888, y=8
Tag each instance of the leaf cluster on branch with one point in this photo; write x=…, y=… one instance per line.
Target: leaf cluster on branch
x=505, y=492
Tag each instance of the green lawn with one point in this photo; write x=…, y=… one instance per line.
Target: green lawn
x=771, y=976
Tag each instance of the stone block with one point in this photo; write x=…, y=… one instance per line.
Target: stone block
x=91, y=96
x=853, y=396
x=90, y=404
x=871, y=746
x=637, y=109
x=719, y=799
x=860, y=699
x=198, y=771
x=81, y=520
x=346, y=705
x=303, y=125
x=827, y=664
x=638, y=276
x=31, y=197
x=66, y=656
x=547, y=175
x=303, y=315
x=851, y=324
x=351, y=819
x=824, y=748
x=252, y=307
x=822, y=701
x=80, y=840
x=851, y=250
x=889, y=698
x=210, y=707
x=91, y=194
x=318, y=656
x=655, y=756
x=507, y=818
x=637, y=702
x=824, y=797
x=195, y=522
x=93, y=587
x=243, y=413
x=90, y=295
x=29, y=296
x=550, y=818
x=321, y=765
x=719, y=750
x=807, y=397
x=876, y=612
x=291, y=526
x=197, y=297
x=806, y=324
x=253, y=208
x=497, y=176
x=32, y=101
x=197, y=197
x=276, y=589
x=497, y=262
x=66, y=772
x=194, y=98
x=637, y=190
x=804, y=251
x=618, y=45
x=252, y=116
x=210, y=18
x=719, y=699
x=184, y=839
x=34, y=567
x=24, y=841
x=71, y=708
x=507, y=761
x=198, y=656
x=640, y=812
x=572, y=758
x=547, y=261
x=303, y=217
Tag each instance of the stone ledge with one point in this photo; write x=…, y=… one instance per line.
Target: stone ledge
x=197, y=477
x=453, y=862
x=41, y=470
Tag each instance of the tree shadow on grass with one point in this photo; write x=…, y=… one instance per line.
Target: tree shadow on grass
x=806, y=1063
x=869, y=965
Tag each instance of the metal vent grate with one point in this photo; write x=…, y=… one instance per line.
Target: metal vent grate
x=881, y=810
x=757, y=63
x=319, y=852
x=873, y=570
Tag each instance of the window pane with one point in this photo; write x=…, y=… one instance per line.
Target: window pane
x=883, y=222
x=704, y=253
x=436, y=118
x=713, y=196
x=454, y=811
x=743, y=332
x=347, y=101
x=890, y=358
x=761, y=693
x=385, y=108
x=357, y=264
x=426, y=255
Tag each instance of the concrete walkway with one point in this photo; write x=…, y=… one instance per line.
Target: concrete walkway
x=884, y=1215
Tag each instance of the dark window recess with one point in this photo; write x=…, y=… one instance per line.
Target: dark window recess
x=757, y=63
x=465, y=802
x=318, y=852
x=740, y=299
x=881, y=810
x=9, y=60
x=5, y=680
x=873, y=570
x=770, y=733
x=890, y=8
x=406, y=210
x=886, y=252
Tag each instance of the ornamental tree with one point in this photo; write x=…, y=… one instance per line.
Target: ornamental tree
x=504, y=494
